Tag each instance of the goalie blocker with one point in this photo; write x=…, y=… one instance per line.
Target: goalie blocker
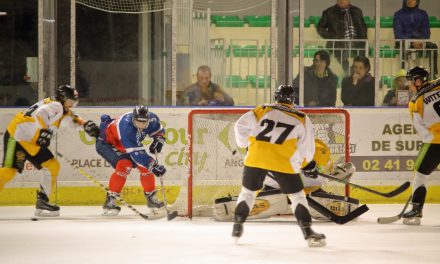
x=273, y=202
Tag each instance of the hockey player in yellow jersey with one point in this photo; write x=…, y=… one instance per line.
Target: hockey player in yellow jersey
x=280, y=141
x=424, y=108
x=28, y=137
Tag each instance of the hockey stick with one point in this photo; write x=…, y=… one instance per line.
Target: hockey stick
x=392, y=219
x=170, y=216
x=334, y=217
x=95, y=181
x=393, y=193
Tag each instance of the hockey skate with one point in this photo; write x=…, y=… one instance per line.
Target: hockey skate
x=237, y=229
x=414, y=216
x=152, y=202
x=44, y=208
x=110, y=208
x=313, y=239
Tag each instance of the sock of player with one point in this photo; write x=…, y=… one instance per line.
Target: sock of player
x=148, y=182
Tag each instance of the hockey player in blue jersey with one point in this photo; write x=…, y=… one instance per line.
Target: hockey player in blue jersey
x=120, y=143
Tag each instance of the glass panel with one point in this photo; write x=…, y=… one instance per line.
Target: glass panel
x=232, y=38
x=18, y=53
x=120, y=59
x=335, y=34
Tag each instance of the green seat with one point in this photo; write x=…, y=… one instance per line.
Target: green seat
x=259, y=23
x=314, y=19
x=245, y=51
x=296, y=22
x=247, y=19
x=386, y=80
x=215, y=18
x=229, y=23
x=432, y=18
x=384, y=52
x=369, y=22
x=386, y=22
x=259, y=81
x=434, y=23
x=235, y=81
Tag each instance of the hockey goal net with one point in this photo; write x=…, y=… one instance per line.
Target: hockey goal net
x=216, y=163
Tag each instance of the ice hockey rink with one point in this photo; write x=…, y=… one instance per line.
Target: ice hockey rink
x=81, y=235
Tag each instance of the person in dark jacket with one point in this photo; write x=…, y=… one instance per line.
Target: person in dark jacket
x=343, y=21
x=358, y=89
x=319, y=82
x=411, y=22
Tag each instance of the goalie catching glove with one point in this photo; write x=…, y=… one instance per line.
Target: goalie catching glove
x=43, y=139
x=92, y=129
x=156, y=169
x=310, y=170
x=157, y=145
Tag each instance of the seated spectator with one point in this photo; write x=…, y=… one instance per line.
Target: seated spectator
x=358, y=89
x=411, y=22
x=319, y=82
x=204, y=92
x=343, y=21
x=400, y=93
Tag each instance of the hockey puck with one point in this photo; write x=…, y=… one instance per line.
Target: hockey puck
x=34, y=219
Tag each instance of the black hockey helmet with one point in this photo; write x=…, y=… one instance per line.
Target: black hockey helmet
x=140, y=113
x=417, y=72
x=65, y=92
x=285, y=94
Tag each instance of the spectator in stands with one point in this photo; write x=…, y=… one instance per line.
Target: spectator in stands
x=400, y=93
x=343, y=21
x=358, y=89
x=319, y=82
x=204, y=92
x=411, y=22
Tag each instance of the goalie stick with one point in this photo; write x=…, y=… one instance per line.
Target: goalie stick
x=393, y=193
x=392, y=219
x=338, y=219
x=170, y=216
x=95, y=181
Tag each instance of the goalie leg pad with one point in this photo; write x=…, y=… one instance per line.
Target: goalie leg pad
x=266, y=204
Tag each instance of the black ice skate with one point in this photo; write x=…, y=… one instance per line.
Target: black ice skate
x=152, y=201
x=237, y=230
x=313, y=239
x=44, y=208
x=110, y=208
x=414, y=216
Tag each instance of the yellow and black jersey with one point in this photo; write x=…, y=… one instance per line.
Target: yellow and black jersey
x=25, y=126
x=424, y=108
x=278, y=138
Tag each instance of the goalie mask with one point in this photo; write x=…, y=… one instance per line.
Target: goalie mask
x=140, y=117
x=285, y=94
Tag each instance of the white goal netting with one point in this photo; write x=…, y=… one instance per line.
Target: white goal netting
x=215, y=162
x=146, y=6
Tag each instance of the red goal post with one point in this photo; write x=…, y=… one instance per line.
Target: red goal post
x=215, y=163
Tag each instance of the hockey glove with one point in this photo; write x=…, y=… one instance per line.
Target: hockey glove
x=310, y=170
x=43, y=139
x=156, y=146
x=92, y=129
x=157, y=169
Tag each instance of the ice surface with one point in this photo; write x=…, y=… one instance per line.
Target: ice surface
x=82, y=235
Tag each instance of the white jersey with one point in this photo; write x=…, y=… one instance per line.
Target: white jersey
x=425, y=112
x=25, y=126
x=278, y=137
